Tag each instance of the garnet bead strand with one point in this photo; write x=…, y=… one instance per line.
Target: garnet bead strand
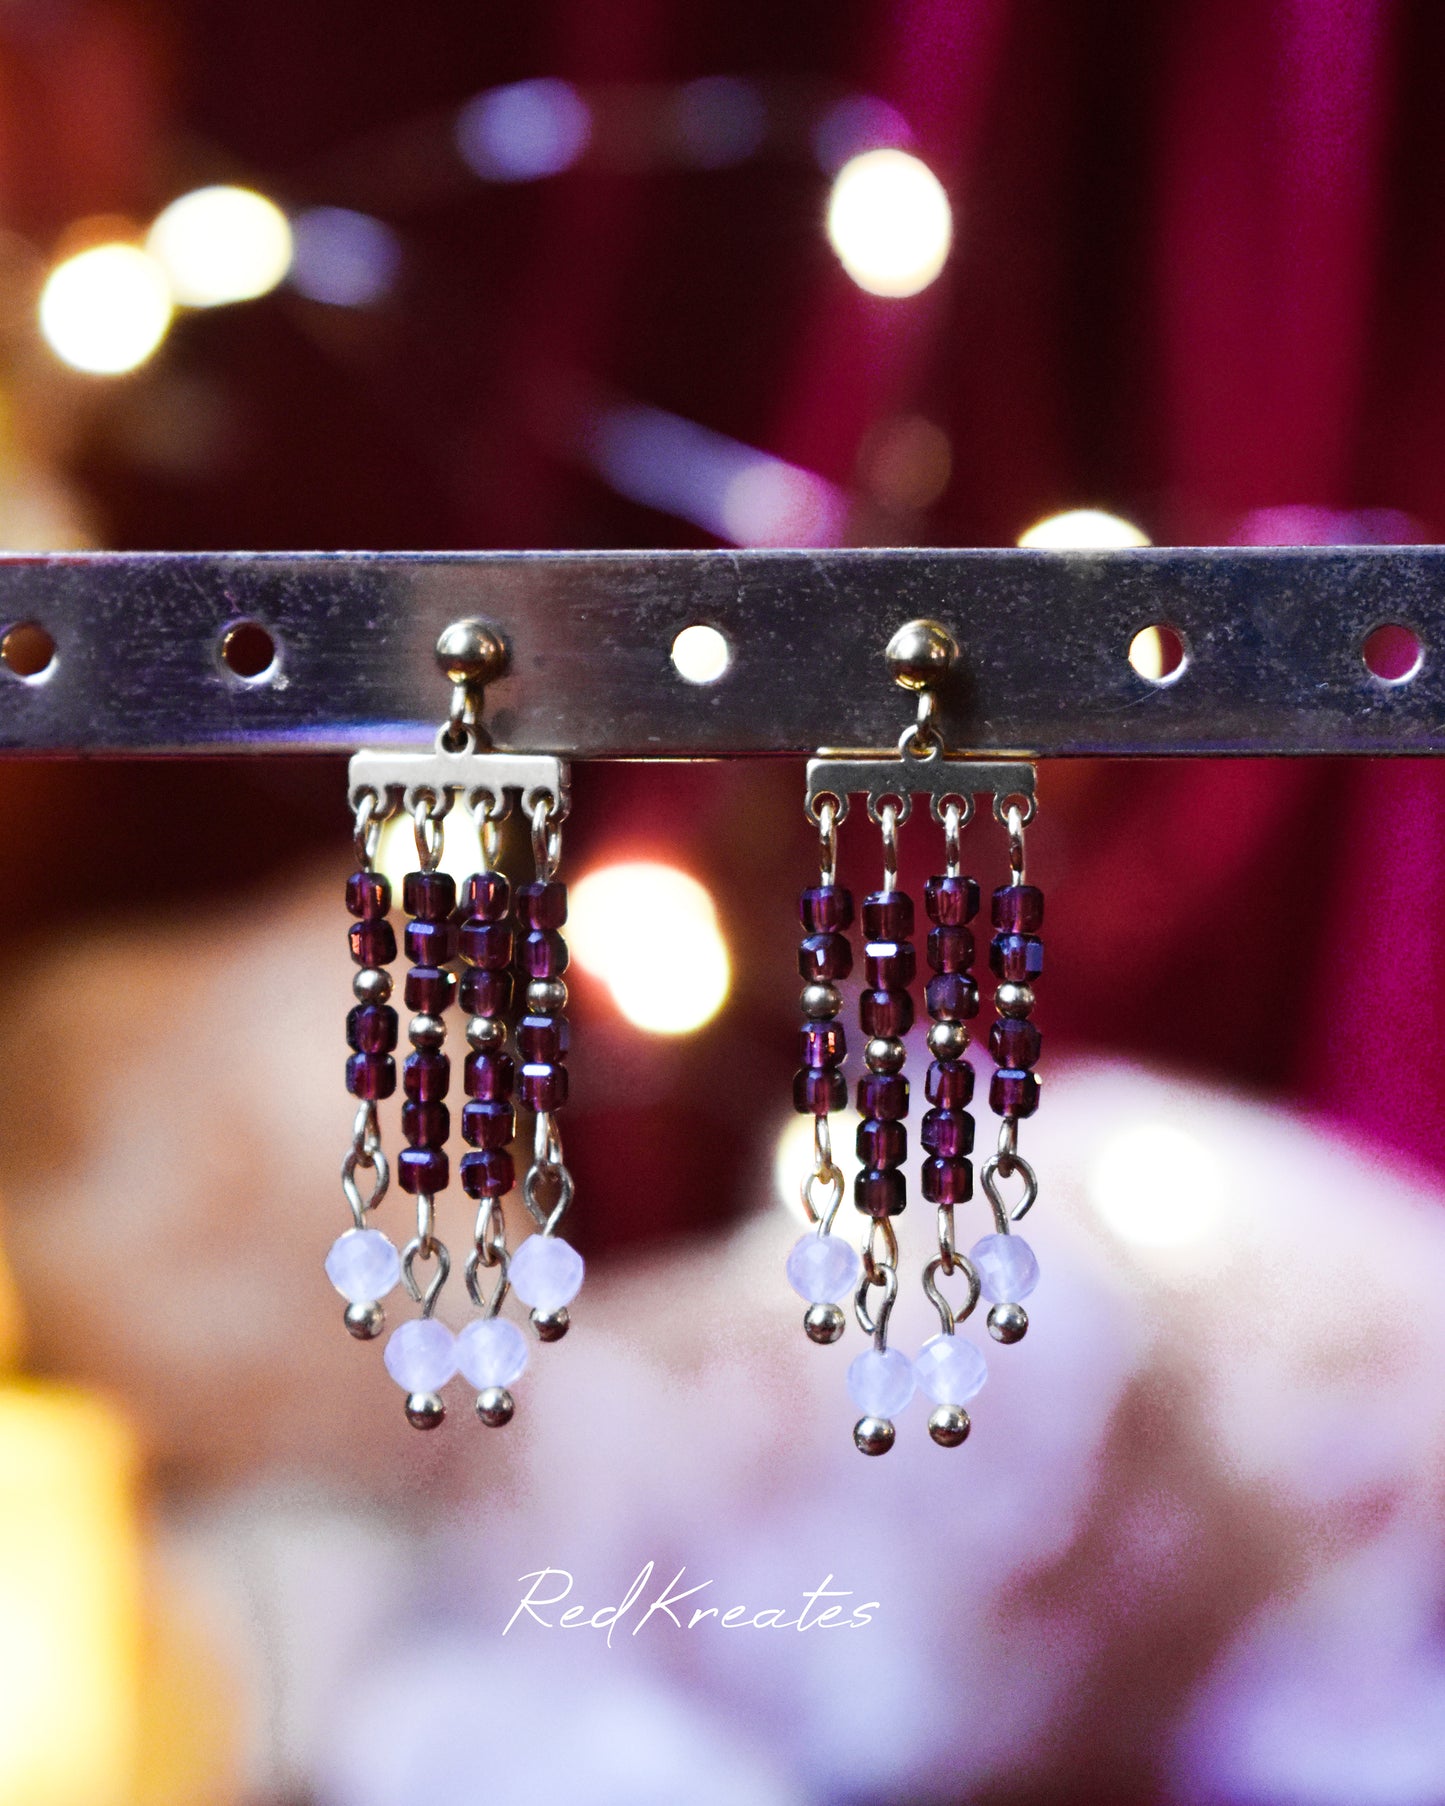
x=885, y=1012
x=486, y=943
x=951, y=995
x=1016, y=955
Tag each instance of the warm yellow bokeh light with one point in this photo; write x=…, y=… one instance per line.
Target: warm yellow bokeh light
x=889, y=222
x=221, y=244
x=106, y=309
x=793, y=1161
x=650, y=933
x=1083, y=530
x=396, y=853
x=69, y=1602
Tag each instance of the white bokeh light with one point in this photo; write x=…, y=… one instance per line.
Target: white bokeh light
x=793, y=1161
x=221, y=244
x=461, y=848
x=889, y=222
x=1157, y=1186
x=650, y=933
x=700, y=654
x=106, y=309
x=1083, y=530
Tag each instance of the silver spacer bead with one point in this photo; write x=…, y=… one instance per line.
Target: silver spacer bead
x=1008, y=1323
x=426, y=1031
x=486, y=1033
x=546, y=996
x=947, y=1040
x=949, y=1426
x=885, y=1053
x=371, y=985
x=873, y=1435
x=364, y=1321
x=824, y=1323
x=1014, y=1000
x=495, y=1406
x=424, y=1410
x=551, y=1326
x=821, y=1000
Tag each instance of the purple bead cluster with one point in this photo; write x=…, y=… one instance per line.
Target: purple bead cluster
x=1016, y=955
x=952, y=1000
x=886, y=1013
x=430, y=900
x=371, y=1025
x=488, y=1119
x=824, y=957
x=542, y=1034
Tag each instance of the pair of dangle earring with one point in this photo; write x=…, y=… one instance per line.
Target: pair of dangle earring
x=483, y=950
x=824, y=1267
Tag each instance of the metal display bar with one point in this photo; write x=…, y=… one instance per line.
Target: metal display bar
x=1272, y=638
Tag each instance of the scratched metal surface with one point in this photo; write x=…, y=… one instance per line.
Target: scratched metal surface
x=1273, y=639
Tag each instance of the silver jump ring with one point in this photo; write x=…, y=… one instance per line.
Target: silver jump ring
x=366, y=831
x=426, y=1299
x=1003, y=1217
x=947, y=1316
x=827, y=839
x=888, y=822
x=547, y=1223
x=546, y=838
x=426, y=827
x=875, y=1324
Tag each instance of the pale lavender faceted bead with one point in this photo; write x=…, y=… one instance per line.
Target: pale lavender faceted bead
x=421, y=1355
x=1007, y=1269
x=823, y=1268
x=491, y=1352
x=881, y=1382
x=363, y=1265
x=950, y=1370
x=546, y=1272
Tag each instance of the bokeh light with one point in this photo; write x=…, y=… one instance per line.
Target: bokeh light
x=523, y=131
x=106, y=309
x=461, y=848
x=343, y=258
x=650, y=932
x=1157, y=1186
x=1083, y=530
x=221, y=244
x=890, y=223
x=718, y=121
x=793, y=1161
x=855, y=124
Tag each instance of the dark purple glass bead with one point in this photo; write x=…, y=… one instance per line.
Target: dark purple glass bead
x=489, y=1125
x=1012, y=1093
x=429, y=896
x=951, y=997
x=426, y=1077
x=488, y=895
x=422, y=1169
x=486, y=993
x=1015, y=1041
x=887, y=915
x=489, y=1076
x=822, y=1043
x=371, y=1075
x=431, y=943
x=950, y=949
x=948, y=1181
x=1018, y=908
x=543, y=953
x=816, y=1093
x=489, y=1174
x=371, y=1028
x=542, y=905
x=885, y=1012
x=372, y=943
x=824, y=956
x=951, y=901
x=543, y=1037
x=948, y=1133
x=486, y=944
x=542, y=1086
x=1019, y=958
x=882, y=1144
x=429, y=990
x=426, y=1125
x=949, y=1084
x=880, y=1194
x=368, y=895
x=883, y=1095
x=826, y=909
x=890, y=965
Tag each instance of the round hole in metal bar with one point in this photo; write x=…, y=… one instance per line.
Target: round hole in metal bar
x=1392, y=653
x=28, y=651
x=1158, y=654
x=248, y=651
x=700, y=654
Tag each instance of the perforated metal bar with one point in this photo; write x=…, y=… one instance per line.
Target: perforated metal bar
x=1273, y=642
